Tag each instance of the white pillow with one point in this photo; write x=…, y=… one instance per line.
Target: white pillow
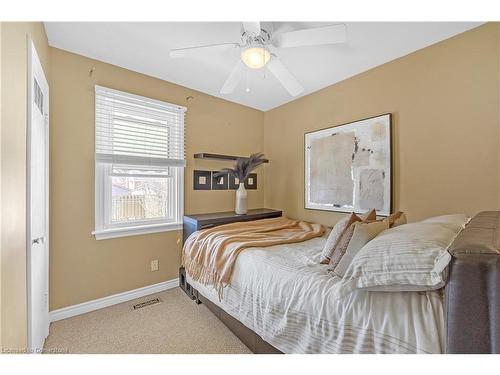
x=454, y=221
x=410, y=257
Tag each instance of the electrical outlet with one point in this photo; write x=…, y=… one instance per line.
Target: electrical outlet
x=154, y=265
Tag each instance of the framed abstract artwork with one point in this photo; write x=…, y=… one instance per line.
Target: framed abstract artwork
x=348, y=167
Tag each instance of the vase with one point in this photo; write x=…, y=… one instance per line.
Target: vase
x=241, y=200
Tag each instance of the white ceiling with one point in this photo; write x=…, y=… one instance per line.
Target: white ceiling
x=144, y=47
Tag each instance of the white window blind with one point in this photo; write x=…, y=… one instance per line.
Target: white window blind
x=139, y=154
x=136, y=130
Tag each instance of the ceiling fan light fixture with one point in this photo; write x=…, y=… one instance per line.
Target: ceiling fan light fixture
x=255, y=57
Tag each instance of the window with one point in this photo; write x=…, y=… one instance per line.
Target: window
x=139, y=164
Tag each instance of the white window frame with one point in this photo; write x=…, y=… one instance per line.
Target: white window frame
x=103, y=194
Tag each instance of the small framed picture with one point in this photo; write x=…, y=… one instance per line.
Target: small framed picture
x=251, y=181
x=202, y=180
x=220, y=182
x=234, y=183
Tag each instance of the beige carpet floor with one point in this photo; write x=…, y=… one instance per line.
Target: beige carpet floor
x=176, y=325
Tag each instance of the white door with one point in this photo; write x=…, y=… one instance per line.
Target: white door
x=37, y=203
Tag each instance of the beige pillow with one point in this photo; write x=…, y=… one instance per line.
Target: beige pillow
x=370, y=215
x=335, y=236
x=338, y=231
x=396, y=219
x=362, y=233
x=341, y=248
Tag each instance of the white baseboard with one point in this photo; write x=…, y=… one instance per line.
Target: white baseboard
x=85, y=307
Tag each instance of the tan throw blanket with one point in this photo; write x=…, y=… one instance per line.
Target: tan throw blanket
x=209, y=255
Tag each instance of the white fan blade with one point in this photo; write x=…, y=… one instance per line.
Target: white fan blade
x=252, y=28
x=233, y=79
x=311, y=37
x=283, y=75
x=183, y=52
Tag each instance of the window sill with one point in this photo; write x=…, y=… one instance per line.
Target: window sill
x=134, y=231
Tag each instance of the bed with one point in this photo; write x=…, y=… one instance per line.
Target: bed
x=281, y=299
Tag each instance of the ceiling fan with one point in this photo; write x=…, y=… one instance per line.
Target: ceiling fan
x=259, y=49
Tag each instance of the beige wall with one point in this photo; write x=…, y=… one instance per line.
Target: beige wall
x=498, y=147
x=82, y=268
x=13, y=174
x=0, y=185
x=445, y=102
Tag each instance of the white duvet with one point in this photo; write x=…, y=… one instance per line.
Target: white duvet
x=290, y=300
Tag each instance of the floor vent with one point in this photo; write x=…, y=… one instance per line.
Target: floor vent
x=149, y=302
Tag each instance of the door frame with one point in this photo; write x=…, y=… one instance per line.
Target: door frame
x=32, y=57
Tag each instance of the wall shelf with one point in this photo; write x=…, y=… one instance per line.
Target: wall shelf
x=206, y=155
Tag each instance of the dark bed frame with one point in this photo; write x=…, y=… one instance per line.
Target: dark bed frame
x=472, y=293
